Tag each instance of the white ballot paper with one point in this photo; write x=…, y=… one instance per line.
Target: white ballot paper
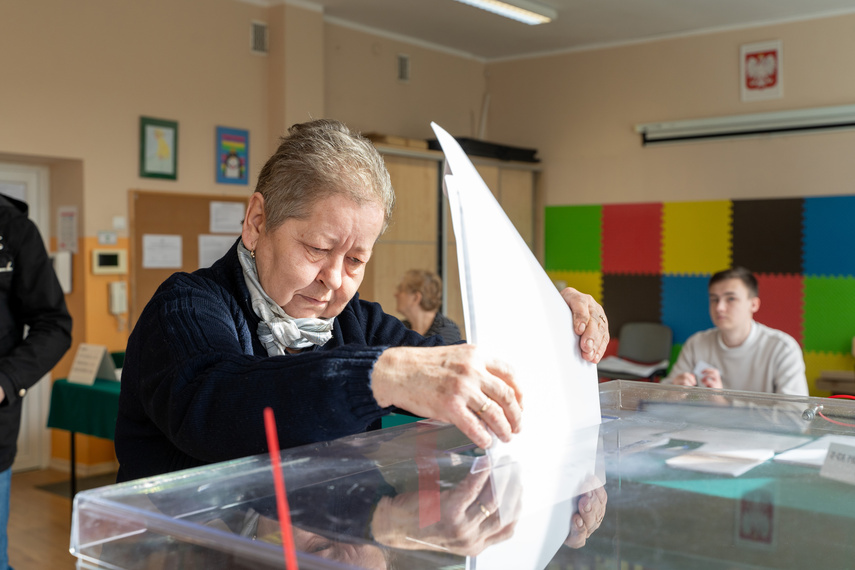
x=514, y=312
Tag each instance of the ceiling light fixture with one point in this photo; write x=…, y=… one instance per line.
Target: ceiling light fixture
x=520, y=10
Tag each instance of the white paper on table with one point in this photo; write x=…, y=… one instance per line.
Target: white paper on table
x=721, y=460
x=741, y=439
x=813, y=454
x=617, y=365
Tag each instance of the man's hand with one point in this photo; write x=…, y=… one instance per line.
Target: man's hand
x=590, y=322
x=684, y=379
x=454, y=384
x=711, y=378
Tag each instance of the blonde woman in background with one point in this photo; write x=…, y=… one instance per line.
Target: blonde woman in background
x=419, y=297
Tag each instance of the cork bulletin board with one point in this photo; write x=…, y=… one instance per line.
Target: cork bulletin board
x=187, y=216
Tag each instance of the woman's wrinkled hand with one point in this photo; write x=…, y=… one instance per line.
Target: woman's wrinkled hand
x=590, y=511
x=455, y=384
x=469, y=518
x=590, y=322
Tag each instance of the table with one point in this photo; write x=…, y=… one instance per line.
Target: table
x=81, y=408
x=413, y=485
x=837, y=382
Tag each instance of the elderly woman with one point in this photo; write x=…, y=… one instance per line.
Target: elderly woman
x=277, y=322
x=419, y=297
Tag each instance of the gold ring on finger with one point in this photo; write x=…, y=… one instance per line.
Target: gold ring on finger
x=484, y=510
x=483, y=408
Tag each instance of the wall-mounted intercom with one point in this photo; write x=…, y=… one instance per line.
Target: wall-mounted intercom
x=109, y=261
x=118, y=298
x=62, y=266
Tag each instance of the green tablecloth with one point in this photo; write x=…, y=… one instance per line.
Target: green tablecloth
x=85, y=409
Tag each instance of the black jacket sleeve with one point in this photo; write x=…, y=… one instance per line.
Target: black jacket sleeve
x=31, y=296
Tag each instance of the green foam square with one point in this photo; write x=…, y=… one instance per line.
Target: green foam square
x=829, y=314
x=572, y=238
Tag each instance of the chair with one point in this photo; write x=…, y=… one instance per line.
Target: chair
x=644, y=353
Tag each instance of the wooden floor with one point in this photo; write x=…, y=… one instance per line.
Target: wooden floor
x=39, y=523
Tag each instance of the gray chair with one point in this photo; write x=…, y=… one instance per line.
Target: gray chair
x=644, y=353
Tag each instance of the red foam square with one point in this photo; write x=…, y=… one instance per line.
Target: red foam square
x=781, y=303
x=632, y=238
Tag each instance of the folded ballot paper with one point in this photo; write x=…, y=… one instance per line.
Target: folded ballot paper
x=513, y=311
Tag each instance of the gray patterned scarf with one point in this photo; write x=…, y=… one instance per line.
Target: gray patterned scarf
x=277, y=330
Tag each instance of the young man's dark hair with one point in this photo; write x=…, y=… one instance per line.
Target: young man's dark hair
x=737, y=273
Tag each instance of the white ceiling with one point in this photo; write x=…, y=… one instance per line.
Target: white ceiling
x=581, y=24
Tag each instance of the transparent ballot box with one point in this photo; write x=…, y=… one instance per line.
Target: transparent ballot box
x=675, y=478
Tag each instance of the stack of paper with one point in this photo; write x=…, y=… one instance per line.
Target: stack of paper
x=617, y=365
x=721, y=460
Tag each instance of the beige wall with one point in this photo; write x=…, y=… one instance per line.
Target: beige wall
x=579, y=110
x=78, y=75
x=362, y=88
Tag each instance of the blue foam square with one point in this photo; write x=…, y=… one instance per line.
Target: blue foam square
x=685, y=305
x=829, y=235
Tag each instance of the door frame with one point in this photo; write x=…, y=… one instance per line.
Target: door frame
x=34, y=453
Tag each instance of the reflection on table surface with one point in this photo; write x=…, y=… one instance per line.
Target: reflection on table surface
x=673, y=478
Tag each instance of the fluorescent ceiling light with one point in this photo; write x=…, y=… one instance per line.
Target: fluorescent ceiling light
x=520, y=10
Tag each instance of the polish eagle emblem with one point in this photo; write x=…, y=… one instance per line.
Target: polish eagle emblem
x=761, y=70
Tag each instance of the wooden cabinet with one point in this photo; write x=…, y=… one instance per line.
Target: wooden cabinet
x=420, y=235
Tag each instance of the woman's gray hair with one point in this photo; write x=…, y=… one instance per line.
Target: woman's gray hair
x=317, y=160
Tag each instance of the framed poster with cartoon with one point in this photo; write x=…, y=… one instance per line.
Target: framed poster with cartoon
x=232, y=158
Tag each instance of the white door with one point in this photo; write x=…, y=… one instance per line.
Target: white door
x=30, y=184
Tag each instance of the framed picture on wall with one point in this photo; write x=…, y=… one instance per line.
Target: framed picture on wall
x=232, y=160
x=158, y=148
x=761, y=70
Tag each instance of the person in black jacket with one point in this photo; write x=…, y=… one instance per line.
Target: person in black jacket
x=31, y=296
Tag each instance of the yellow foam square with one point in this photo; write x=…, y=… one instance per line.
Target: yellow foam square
x=590, y=282
x=696, y=237
x=816, y=362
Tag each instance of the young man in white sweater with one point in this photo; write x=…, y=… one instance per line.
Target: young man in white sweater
x=739, y=353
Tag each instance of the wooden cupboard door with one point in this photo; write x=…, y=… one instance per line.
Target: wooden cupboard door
x=416, y=184
x=411, y=240
x=517, y=199
x=514, y=190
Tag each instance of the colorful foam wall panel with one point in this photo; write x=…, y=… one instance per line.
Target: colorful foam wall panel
x=652, y=261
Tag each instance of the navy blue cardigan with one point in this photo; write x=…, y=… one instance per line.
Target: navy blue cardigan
x=196, y=379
